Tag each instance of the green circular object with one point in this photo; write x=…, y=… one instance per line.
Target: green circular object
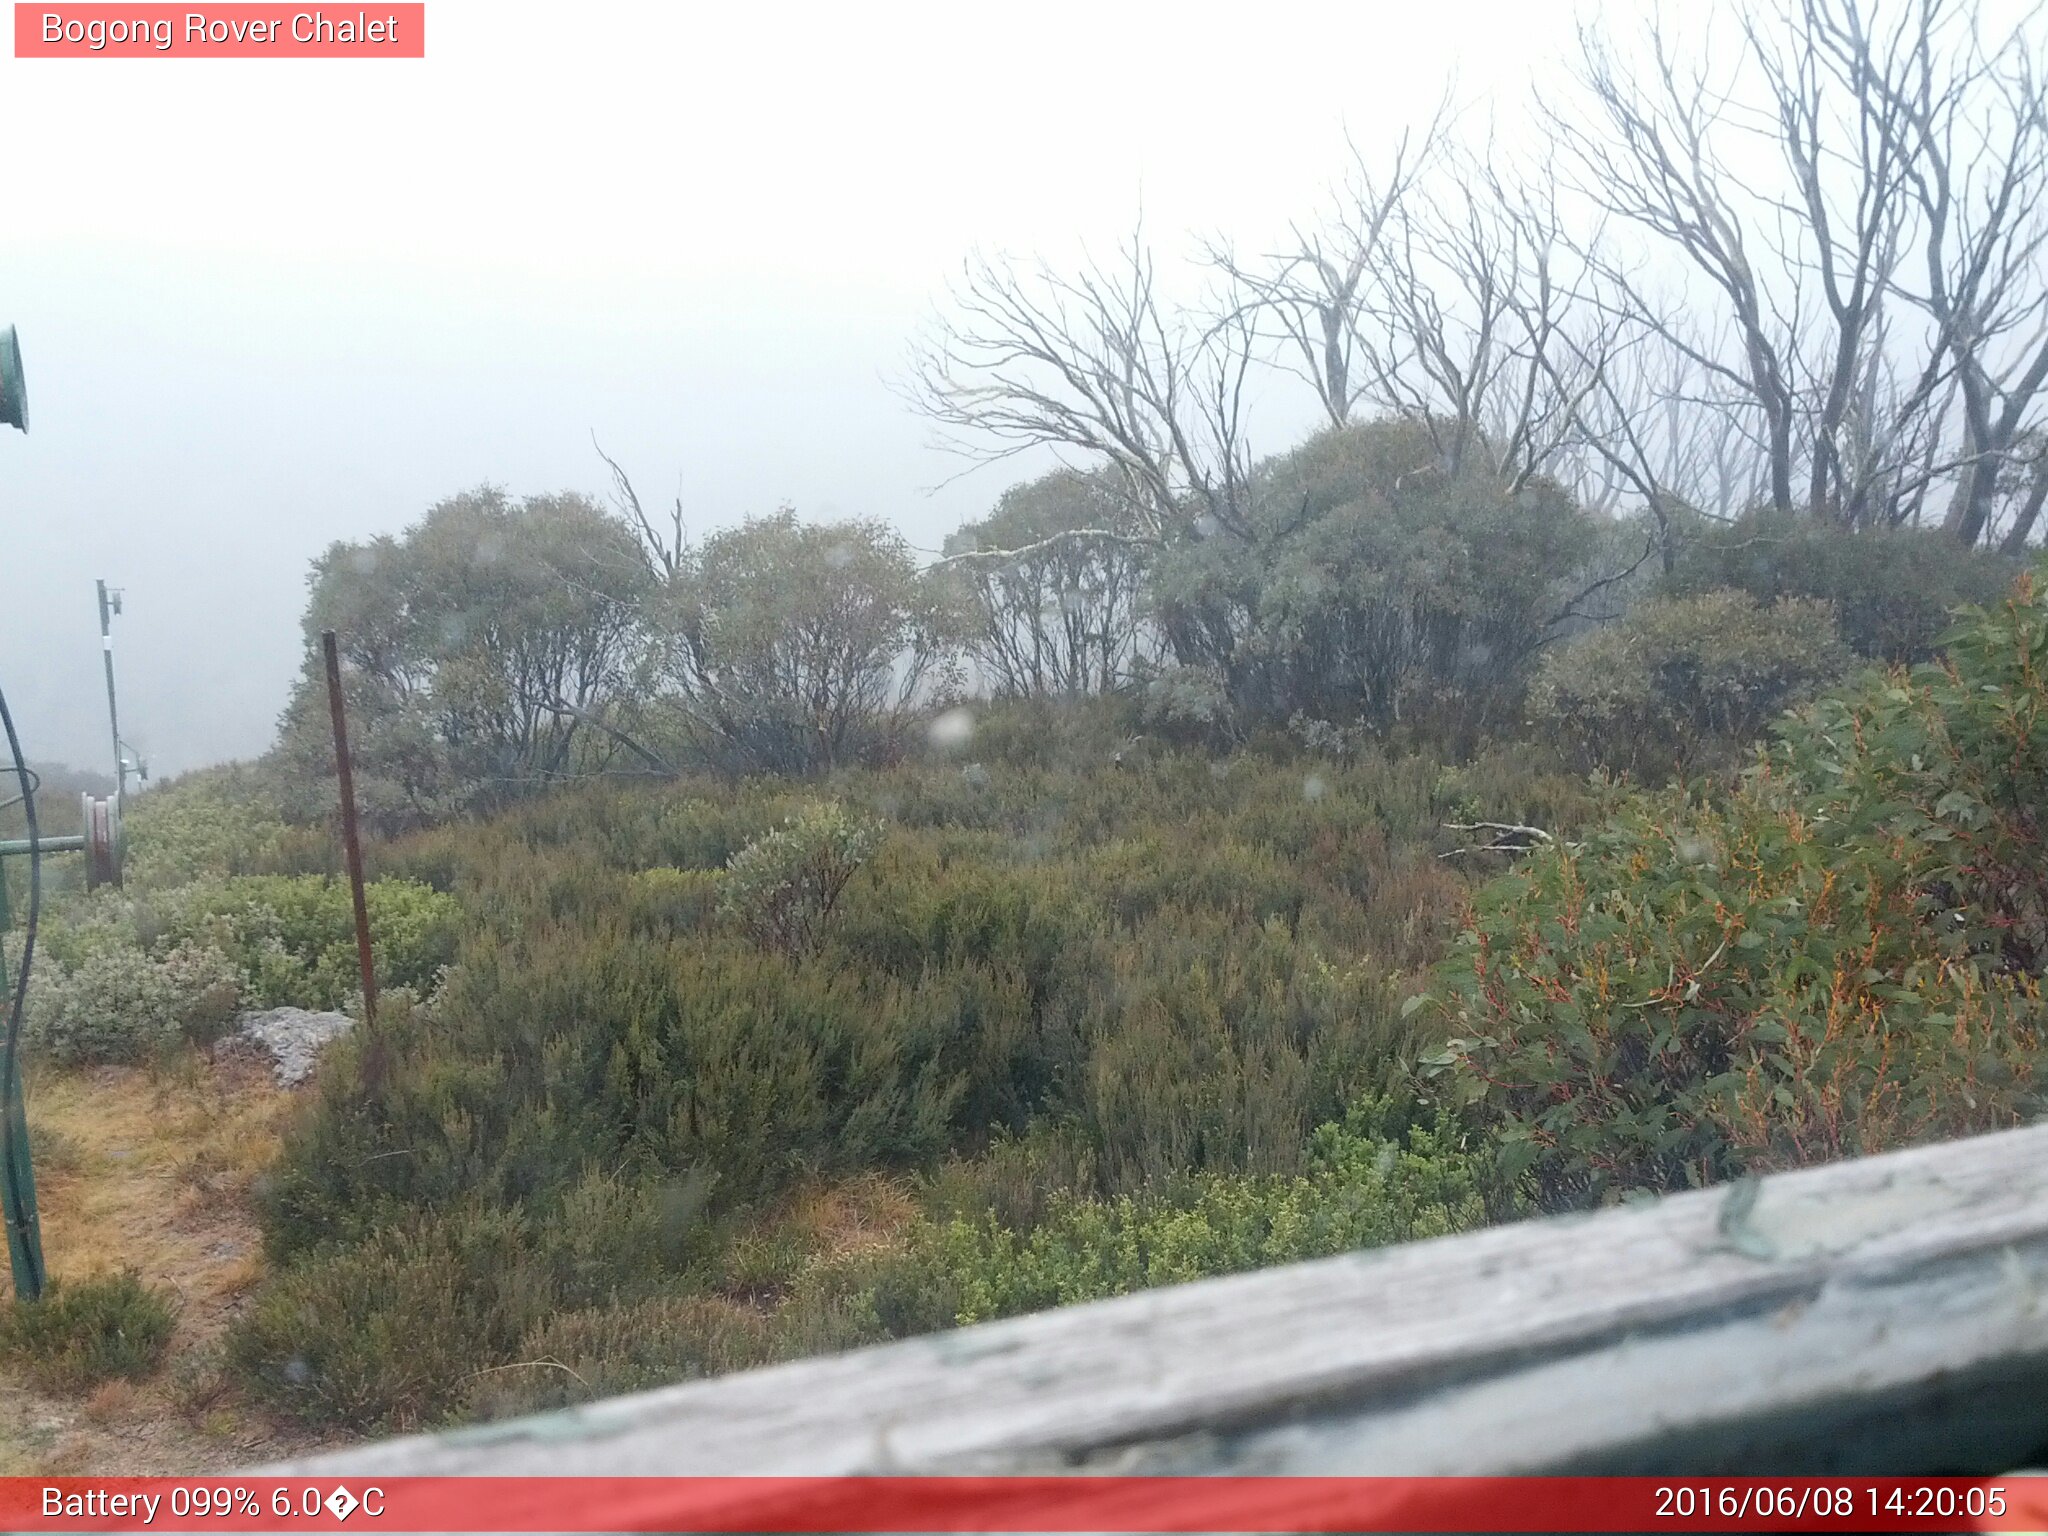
x=13, y=388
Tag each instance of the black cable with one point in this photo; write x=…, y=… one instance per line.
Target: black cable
x=10, y=1155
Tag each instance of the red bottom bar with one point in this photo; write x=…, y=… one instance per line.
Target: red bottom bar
x=1006, y=1504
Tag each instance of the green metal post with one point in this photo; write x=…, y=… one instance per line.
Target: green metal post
x=24, y=1226
x=17, y=1173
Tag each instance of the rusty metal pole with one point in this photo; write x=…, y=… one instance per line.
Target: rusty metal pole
x=351, y=842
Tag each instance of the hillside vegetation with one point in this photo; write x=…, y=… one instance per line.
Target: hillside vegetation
x=679, y=1077
x=1605, y=756
x=1067, y=1028
x=784, y=947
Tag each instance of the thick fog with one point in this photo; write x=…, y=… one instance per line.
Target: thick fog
x=265, y=305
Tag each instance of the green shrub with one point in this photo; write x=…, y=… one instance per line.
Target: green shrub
x=84, y=1332
x=122, y=1006
x=388, y=1333
x=1841, y=957
x=1124, y=954
x=123, y=979
x=863, y=1298
x=1072, y=733
x=1892, y=592
x=207, y=989
x=836, y=1302
x=1226, y=1057
x=1382, y=580
x=710, y=1062
x=75, y=930
x=1361, y=1190
x=781, y=888
x=293, y=936
x=1016, y=1178
x=212, y=825
x=672, y=901
x=1189, y=704
x=327, y=1340
x=1680, y=681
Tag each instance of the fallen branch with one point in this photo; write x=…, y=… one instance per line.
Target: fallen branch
x=1509, y=837
x=565, y=709
x=1066, y=536
x=524, y=1365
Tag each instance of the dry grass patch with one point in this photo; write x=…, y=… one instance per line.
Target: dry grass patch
x=154, y=1172
x=853, y=1216
x=112, y=1401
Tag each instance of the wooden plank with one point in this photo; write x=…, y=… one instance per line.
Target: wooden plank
x=1885, y=1314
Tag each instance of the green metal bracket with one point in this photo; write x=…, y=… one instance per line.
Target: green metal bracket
x=72, y=844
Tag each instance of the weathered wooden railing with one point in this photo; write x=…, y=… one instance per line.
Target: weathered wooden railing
x=1888, y=1315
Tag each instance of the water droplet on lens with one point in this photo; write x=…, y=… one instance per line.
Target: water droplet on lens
x=953, y=729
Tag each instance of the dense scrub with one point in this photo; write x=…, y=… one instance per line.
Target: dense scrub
x=1378, y=582
x=676, y=1077
x=1681, y=682
x=1891, y=592
x=1086, y=1019
x=126, y=976
x=1842, y=955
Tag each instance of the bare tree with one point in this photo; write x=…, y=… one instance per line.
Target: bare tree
x=1100, y=364
x=1840, y=144
x=667, y=547
x=1447, y=308
x=1320, y=293
x=1797, y=184
x=1491, y=300
x=2029, y=500
x=1649, y=429
x=1974, y=140
x=1804, y=271
x=1655, y=161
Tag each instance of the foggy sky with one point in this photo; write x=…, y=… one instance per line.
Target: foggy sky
x=267, y=304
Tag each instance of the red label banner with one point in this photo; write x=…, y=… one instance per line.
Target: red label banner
x=225, y=31
x=1007, y=1504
